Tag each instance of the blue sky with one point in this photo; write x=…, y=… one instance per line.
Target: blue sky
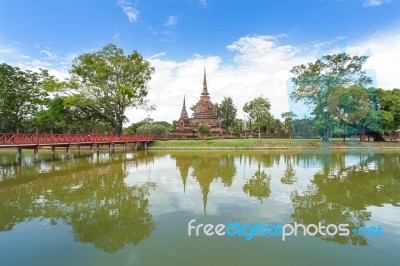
x=248, y=47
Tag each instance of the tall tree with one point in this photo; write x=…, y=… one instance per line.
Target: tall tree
x=258, y=110
x=226, y=112
x=112, y=81
x=314, y=83
x=21, y=94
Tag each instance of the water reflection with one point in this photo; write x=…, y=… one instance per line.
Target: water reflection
x=258, y=185
x=93, y=197
x=344, y=188
x=90, y=197
x=206, y=168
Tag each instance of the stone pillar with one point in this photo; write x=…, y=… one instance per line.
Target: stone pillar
x=136, y=146
x=125, y=147
x=53, y=152
x=277, y=126
x=268, y=128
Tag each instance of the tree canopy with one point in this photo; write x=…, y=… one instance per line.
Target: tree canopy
x=21, y=94
x=258, y=110
x=314, y=82
x=109, y=82
x=226, y=112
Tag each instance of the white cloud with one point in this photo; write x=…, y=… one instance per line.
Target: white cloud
x=129, y=10
x=49, y=55
x=384, y=52
x=374, y=3
x=172, y=20
x=261, y=67
x=7, y=50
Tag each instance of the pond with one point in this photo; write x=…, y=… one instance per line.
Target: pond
x=315, y=207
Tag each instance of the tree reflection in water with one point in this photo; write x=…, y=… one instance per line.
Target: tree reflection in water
x=95, y=201
x=342, y=191
x=258, y=185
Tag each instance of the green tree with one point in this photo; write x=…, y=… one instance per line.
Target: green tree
x=389, y=105
x=21, y=94
x=226, y=112
x=204, y=130
x=153, y=129
x=314, y=83
x=355, y=107
x=258, y=110
x=111, y=82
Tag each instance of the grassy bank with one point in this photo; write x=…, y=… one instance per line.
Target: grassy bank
x=266, y=144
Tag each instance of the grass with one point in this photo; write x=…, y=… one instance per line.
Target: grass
x=255, y=143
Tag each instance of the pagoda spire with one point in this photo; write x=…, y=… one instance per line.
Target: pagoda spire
x=184, y=105
x=205, y=91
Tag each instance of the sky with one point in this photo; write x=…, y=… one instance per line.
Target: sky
x=247, y=46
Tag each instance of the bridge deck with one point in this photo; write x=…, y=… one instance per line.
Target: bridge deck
x=36, y=140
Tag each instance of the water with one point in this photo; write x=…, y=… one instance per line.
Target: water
x=134, y=208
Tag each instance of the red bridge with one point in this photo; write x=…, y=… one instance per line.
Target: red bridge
x=37, y=140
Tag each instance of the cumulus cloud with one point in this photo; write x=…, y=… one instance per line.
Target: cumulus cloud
x=261, y=67
x=129, y=10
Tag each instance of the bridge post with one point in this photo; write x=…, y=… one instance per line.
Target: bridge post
x=111, y=147
x=36, y=154
x=19, y=155
x=136, y=146
x=124, y=147
x=79, y=150
x=53, y=152
x=145, y=145
x=68, y=151
x=98, y=149
x=91, y=149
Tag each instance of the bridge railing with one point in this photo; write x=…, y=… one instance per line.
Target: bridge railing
x=50, y=138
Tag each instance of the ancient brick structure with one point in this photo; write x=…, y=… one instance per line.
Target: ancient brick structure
x=204, y=114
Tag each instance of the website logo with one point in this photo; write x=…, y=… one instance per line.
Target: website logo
x=279, y=229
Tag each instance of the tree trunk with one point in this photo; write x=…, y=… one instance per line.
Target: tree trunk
x=259, y=132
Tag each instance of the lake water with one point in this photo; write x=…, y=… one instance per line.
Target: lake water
x=134, y=208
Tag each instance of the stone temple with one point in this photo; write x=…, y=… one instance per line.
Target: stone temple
x=204, y=114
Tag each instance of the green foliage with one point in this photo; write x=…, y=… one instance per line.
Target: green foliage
x=389, y=105
x=108, y=82
x=154, y=129
x=226, y=112
x=204, y=130
x=21, y=94
x=315, y=82
x=258, y=110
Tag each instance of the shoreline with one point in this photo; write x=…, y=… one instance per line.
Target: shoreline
x=273, y=148
x=270, y=144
